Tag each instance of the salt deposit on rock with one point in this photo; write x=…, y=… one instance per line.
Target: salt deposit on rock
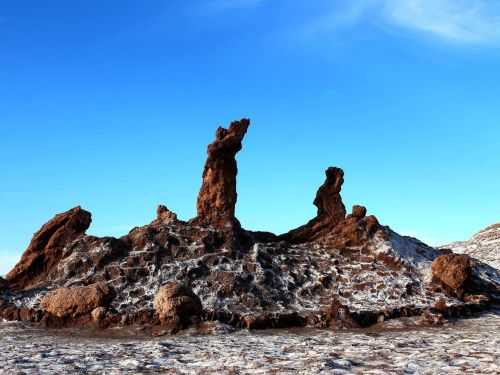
x=337, y=267
x=484, y=246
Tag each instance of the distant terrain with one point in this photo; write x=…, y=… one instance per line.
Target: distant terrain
x=484, y=245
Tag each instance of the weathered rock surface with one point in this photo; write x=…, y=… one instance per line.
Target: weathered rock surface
x=331, y=210
x=484, y=245
x=331, y=226
x=217, y=197
x=177, y=305
x=45, y=250
x=73, y=302
x=336, y=271
x=453, y=271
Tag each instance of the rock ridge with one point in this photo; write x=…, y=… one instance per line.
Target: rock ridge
x=338, y=270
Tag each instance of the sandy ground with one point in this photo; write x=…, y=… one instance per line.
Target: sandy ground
x=469, y=346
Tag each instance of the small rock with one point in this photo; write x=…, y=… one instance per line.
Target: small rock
x=98, y=314
x=358, y=211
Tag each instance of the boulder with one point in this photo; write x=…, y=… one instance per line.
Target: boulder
x=177, y=305
x=453, y=272
x=217, y=197
x=46, y=248
x=77, y=301
x=98, y=314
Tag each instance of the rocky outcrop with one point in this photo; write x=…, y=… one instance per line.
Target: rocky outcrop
x=177, y=306
x=217, y=198
x=73, y=302
x=45, y=250
x=331, y=210
x=336, y=271
x=484, y=245
x=355, y=230
x=165, y=216
x=453, y=272
x=331, y=226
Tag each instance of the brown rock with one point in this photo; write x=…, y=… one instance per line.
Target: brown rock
x=352, y=232
x=331, y=210
x=29, y=315
x=177, y=305
x=331, y=226
x=358, y=212
x=98, y=314
x=45, y=250
x=428, y=318
x=165, y=216
x=336, y=315
x=217, y=196
x=440, y=305
x=73, y=302
x=453, y=272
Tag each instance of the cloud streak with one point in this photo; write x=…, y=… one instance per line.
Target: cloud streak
x=457, y=21
x=463, y=21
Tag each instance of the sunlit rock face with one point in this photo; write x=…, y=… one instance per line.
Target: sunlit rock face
x=331, y=226
x=77, y=301
x=484, y=245
x=453, y=271
x=217, y=198
x=338, y=270
x=45, y=250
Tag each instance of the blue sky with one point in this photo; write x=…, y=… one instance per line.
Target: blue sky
x=111, y=105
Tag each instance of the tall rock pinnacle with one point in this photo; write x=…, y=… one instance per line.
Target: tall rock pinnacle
x=331, y=210
x=217, y=197
x=331, y=226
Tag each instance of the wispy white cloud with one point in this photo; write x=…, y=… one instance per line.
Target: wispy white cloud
x=459, y=21
x=468, y=21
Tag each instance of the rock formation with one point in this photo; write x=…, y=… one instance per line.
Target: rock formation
x=355, y=230
x=336, y=271
x=331, y=210
x=217, y=198
x=177, y=305
x=484, y=245
x=73, y=302
x=331, y=224
x=453, y=271
x=45, y=250
x=165, y=216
